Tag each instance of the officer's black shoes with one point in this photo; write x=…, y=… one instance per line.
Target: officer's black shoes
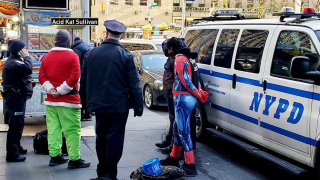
x=190, y=169
x=78, y=164
x=55, y=161
x=12, y=158
x=166, y=150
x=22, y=150
x=163, y=144
x=169, y=161
x=86, y=117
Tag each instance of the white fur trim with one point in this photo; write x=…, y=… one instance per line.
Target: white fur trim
x=62, y=104
x=47, y=86
x=60, y=49
x=64, y=88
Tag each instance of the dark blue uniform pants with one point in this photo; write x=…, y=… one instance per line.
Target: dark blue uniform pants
x=110, y=131
x=16, y=106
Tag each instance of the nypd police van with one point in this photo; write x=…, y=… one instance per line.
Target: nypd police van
x=263, y=81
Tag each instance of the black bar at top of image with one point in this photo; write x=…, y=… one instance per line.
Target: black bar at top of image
x=74, y=21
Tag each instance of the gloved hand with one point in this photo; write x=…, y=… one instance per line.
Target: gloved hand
x=204, y=96
x=138, y=112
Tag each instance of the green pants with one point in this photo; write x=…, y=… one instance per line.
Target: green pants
x=67, y=120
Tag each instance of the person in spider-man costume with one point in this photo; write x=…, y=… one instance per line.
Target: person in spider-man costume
x=185, y=95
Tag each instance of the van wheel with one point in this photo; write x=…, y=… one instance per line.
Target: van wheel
x=201, y=122
x=148, y=97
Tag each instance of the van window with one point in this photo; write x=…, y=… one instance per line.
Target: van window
x=250, y=50
x=291, y=44
x=137, y=47
x=202, y=42
x=225, y=48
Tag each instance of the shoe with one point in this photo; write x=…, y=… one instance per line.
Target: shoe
x=163, y=144
x=86, y=117
x=55, y=161
x=78, y=164
x=190, y=169
x=169, y=161
x=11, y=158
x=22, y=150
x=166, y=150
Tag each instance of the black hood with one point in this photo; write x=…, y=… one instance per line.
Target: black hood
x=76, y=43
x=157, y=74
x=187, y=52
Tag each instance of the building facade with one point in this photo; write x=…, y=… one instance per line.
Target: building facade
x=75, y=7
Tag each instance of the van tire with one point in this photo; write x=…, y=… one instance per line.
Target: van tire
x=201, y=122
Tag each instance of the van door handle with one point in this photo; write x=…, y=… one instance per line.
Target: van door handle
x=234, y=81
x=265, y=85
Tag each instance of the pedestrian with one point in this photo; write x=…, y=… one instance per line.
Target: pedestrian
x=185, y=98
x=59, y=75
x=168, y=80
x=17, y=88
x=110, y=79
x=81, y=48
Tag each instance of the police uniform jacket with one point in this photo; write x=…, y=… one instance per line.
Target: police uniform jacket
x=17, y=75
x=109, y=79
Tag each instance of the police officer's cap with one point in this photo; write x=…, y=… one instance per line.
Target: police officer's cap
x=115, y=27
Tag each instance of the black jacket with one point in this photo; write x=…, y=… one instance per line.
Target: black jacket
x=109, y=79
x=168, y=75
x=80, y=48
x=17, y=75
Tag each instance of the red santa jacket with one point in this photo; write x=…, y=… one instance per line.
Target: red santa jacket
x=60, y=69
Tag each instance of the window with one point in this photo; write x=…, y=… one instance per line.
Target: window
x=114, y=3
x=214, y=3
x=158, y=2
x=201, y=3
x=291, y=44
x=129, y=2
x=176, y=2
x=225, y=48
x=202, y=42
x=143, y=2
x=189, y=3
x=250, y=3
x=153, y=61
x=250, y=50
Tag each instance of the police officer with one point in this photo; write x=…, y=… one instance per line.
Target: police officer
x=111, y=86
x=17, y=89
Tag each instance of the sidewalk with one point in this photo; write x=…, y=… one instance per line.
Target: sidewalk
x=141, y=135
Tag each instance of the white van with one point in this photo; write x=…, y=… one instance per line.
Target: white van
x=263, y=85
x=141, y=44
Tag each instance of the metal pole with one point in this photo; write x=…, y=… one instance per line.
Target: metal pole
x=183, y=15
x=149, y=15
x=108, y=3
x=85, y=13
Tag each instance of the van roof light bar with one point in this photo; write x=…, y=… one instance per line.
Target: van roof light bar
x=287, y=12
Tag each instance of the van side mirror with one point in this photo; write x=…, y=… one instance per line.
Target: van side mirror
x=300, y=69
x=300, y=66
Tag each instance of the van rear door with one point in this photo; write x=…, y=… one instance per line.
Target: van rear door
x=203, y=41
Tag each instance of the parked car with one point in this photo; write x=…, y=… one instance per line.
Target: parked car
x=150, y=65
x=141, y=44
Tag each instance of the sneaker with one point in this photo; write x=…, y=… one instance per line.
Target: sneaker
x=78, y=164
x=166, y=150
x=163, y=144
x=11, y=158
x=55, y=161
x=169, y=161
x=190, y=169
x=86, y=117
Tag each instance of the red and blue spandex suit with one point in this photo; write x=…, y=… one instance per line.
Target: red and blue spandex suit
x=185, y=99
